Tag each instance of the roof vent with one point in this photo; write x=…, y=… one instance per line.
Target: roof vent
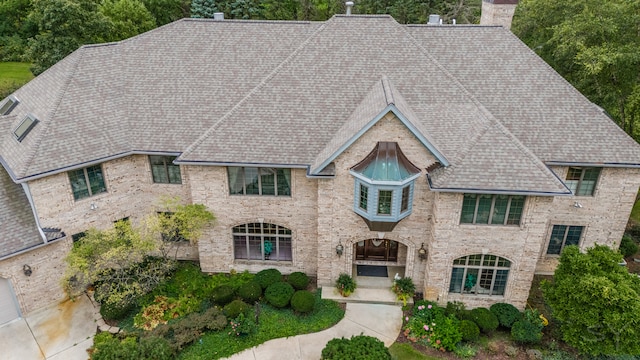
x=349, y=5
x=218, y=16
x=434, y=19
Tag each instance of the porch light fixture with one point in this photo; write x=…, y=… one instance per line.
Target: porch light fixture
x=339, y=249
x=422, y=252
x=26, y=269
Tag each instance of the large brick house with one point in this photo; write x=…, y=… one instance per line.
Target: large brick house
x=452, y=153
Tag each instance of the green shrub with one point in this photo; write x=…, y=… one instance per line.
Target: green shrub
x=243, y=325
x=465, y=351
x=528, y=330
x=235, y=308
x=359, y=347
x=628, y=247
x=108, y=347
x=298, y=280
x=267, y=277
x=456, y=309
x=404, y=289
x=116, y=311
x=444, y=335
x=187, y=329
x=250, y=292
x=507, y=314
x=345, y=284
x=485, y=319
x=303, y=301
x=222, y=295
x=469, y=330
x=279, y=294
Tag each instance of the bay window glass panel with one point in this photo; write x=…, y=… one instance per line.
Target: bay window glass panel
x=364, y=197
x=384, y=202
x=404, y=206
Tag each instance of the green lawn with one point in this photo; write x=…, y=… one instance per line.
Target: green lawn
x=12, y=76
x=407, y=352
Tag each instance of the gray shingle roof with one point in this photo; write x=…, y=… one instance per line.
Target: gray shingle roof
x=292, y=93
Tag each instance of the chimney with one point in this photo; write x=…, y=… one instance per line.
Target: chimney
x=498, y=12
x=218, y=16
x=349, y=5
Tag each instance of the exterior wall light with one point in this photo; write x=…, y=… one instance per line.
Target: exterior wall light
x=26, y=269
x=422, y=252
x=339, y=249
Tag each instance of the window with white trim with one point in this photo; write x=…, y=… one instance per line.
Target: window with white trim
x=262, y=241
x=479, y=274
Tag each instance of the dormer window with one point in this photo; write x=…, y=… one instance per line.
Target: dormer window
x=25, y=126
x=384, y=186
x=9, y=104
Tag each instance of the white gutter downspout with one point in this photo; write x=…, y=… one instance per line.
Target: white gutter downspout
x=25, y=186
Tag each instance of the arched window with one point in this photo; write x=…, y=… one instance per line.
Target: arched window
x=262, y=241
x=479, y=274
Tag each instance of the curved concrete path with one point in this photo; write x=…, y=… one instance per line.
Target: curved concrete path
x=381, y=321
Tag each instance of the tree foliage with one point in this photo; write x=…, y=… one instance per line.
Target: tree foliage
x=594, y=45
x=128, y=18
x=203, y=8
x=596, y=301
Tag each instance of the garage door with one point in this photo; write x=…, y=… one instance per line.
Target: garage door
x=8, y=305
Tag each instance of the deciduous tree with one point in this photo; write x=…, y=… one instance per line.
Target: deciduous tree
x=128, y=18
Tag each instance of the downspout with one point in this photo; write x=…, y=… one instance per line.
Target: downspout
x=25, y=186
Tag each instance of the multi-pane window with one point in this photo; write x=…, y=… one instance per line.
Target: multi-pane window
x=259, y=181
x=164, y=171
x=364, y=197
x=479, y=274
x=404, y=204
x=262, y=241
x=384, y=202
x=582, y=181
x=492, y=209
x=87, y=182
x=563, y=235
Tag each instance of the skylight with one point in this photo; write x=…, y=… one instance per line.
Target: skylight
x=8, y=105
x=25, y=126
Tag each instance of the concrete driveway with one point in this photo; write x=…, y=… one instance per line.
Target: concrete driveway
x=61, y=332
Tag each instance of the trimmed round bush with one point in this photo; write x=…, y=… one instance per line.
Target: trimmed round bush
x=485, y=319
x=303, y=301
x=267, y=277
x=507, y=314
x=359, y=347
x=250, y=292
x=469, y=330
x=279, y=294
x=526, y=332
x=235, y=308
x=222, y=295
x=298, y=280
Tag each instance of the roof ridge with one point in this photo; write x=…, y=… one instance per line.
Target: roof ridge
x=386, y=88
x=260, y=85
x=79, y=54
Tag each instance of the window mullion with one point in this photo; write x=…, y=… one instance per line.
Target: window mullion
x=86, y=180
x=275, y=181
x=582, y=172
x=564, y=238
x=493, y=204
x=464, y=280
x=259, y=181
x=475, y=211
x=244, y=182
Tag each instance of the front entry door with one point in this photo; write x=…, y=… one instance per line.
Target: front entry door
x=377, y=250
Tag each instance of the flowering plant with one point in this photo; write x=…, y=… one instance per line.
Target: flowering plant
x=242, y=325
x=430, y=326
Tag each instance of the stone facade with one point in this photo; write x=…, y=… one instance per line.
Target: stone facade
x=43, y=287
x=498, y=12
x=320, y=215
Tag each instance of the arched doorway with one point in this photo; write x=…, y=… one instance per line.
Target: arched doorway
x=377, y=250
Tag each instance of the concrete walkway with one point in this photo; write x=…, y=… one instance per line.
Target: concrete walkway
x=381, y=321
x=61, y=332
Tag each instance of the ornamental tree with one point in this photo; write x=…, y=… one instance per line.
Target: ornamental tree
x=596, y=301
